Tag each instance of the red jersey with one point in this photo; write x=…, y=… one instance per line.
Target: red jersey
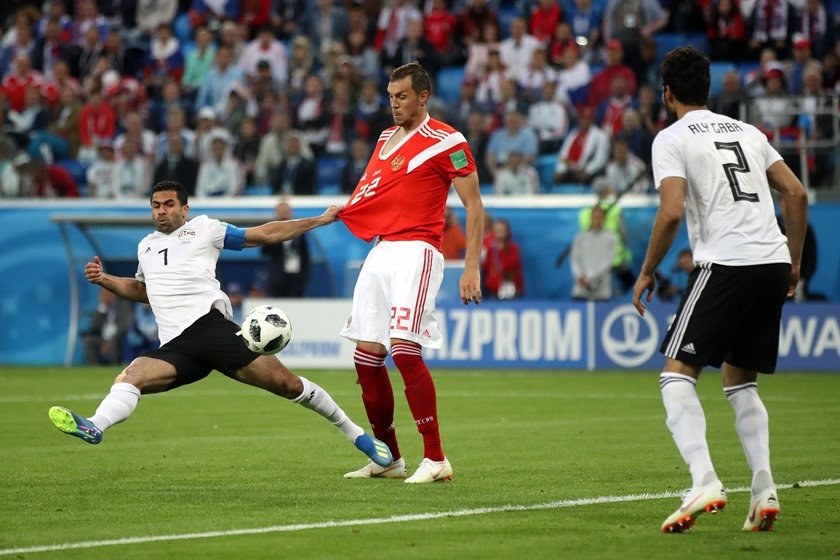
x=402, y=193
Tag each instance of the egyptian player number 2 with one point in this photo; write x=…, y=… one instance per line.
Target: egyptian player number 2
x=366, y=191
x=741, y=166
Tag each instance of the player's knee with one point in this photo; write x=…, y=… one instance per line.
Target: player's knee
x=121, y=377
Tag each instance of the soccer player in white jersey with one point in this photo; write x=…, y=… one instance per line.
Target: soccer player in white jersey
x=176, y=275
x=720, y=171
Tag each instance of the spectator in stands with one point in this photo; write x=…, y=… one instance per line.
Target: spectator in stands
x=9, y=176
x=516, y=178
x=48, y=50
x=629, y=22
x=152, y=13
x=755, y=79
x=626, y=171
x=726, y=31
x=599, y=89
x=297, y=172
x=233, y=36
x=87, y=18
x=236, y=295
x=240, y=105
x=573, y=78
x=126, y=61
x=170, y=98
x=814, y=22
x=607, y=200
x=453, y=243
x=270, y=153
x=212, y=13
x=560, y=40
x=413, y=47
x=102, y=173
x=478, y=51
x=61, y=139
x=638, y=138
x=56, y=11
x=133, y=171
x=221, y=174
x=205, y=127
x=440, y=27
x=545, y=15
x=796, y=68
x=770, y=24
x=467, y=103
x=355, y=166
x=584, y=153
x=686, y=16
x=247, y=148
x=516, y=51
x=362, y=55
x=301, y=66
x=198, y=62
x=177, y=166
x=816, y=122
x=611, y=110
x=286, y=17
x=109, y=325
x=774, y=116
x=288, y=262
x=43, y=180
x=218, y=81
x=585, y=18
x=489, y=89
x=501, y=268
x=550, y=119
x=539, y=73
x=61, y=78
x=18, y=80
x=313, y=115
x=143, y=138
x=254, y=14
x=473, y=19
x=97, y=121
x=327, y=24
x=651, y=111
x=728, y=102
x=477, y=138
x=31, y=120
x=392, y=24
x=23, y=45
x=592, y=255
x=673, y=287
x=515, y=136
x=85, y=57
x=265, y=48
x=373, y=114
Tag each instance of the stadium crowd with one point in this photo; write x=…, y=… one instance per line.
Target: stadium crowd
x=234, y=97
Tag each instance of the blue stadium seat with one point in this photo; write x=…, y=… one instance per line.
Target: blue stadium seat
x=486, y=188
x=570, y=188
x=666, y=42
x=578, y=96
x=449, y=83
x=697, y=40
x=181, y=28
x=76, y=169
x=545, y=169
x=506, y=15
x=258, y=190
x=718, y=70
x=329, y=174
x=328, y=190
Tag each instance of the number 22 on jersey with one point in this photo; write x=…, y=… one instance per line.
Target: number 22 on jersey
x=366, y=191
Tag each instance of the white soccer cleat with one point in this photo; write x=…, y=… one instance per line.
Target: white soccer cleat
x=709, y=498
x=431, y=471
x=372, y=470
x=764, y=510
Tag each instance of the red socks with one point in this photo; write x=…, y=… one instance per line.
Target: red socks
x=420, y=393
x=378, y=397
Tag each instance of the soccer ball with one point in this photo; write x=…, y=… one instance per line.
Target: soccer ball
x=266, y=330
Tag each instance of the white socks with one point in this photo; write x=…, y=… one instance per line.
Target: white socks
x=753, y=426
x=687, y=423
x=117, y=406
x=315, y=398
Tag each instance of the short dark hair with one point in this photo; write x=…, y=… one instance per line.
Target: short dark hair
x=179, y=190
x=686, y=71
x=420, y=81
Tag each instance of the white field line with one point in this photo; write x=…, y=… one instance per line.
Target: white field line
x=561, y=504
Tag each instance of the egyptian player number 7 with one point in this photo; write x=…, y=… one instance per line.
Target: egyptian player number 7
x=366, y=191
x=732, y=168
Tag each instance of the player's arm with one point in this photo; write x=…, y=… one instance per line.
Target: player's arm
x=467, y=189
x=279, y=231
x=782, y=179
x=128, y=288
x=665, y=228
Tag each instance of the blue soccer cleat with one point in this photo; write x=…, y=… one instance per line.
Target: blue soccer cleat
x=376, y=450
x=71, y=423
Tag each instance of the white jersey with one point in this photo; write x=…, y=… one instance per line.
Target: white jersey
x=729, y=210
x=179, y=270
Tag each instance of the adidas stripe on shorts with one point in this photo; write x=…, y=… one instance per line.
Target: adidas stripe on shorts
x=730, y=314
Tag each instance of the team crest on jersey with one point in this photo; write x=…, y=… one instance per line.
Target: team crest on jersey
x=397, y=162
x=186, y=234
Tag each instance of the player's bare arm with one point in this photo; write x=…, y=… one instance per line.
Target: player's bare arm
x=665, y=227
x=782, y=179
x=279, y=231
x=467, y=189
x=128, y=288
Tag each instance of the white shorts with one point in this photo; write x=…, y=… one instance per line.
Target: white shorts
x=395, y=295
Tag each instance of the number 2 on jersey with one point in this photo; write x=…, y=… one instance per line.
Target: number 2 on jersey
x=366, y=191
x=732, y=168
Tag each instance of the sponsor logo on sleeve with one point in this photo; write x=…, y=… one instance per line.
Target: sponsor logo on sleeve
x=459, y=159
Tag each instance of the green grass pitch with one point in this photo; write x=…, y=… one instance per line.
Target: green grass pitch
x=220, y=456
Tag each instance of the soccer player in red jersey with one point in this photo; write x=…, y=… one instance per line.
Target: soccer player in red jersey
x=400, y=200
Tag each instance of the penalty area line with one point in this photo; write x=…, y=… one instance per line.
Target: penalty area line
x=560, y=504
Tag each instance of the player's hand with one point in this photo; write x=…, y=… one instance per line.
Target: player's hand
x=794, y=280
x=645, y=283
x=93, y=271
x=471, y=286
x=331, y=214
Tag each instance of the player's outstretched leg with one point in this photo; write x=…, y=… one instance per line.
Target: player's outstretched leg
x=422, y=401
x=687, y=423
x=114, y=408
x=752, y=425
